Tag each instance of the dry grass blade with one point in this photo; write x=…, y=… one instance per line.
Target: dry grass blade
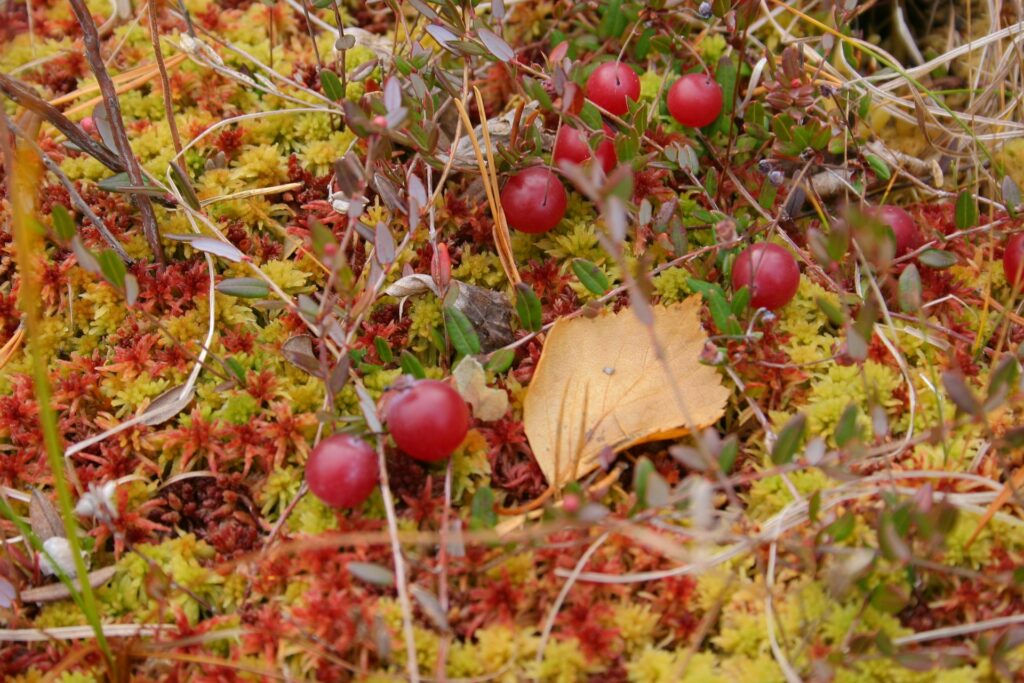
x=58, y=591
x=503, y=246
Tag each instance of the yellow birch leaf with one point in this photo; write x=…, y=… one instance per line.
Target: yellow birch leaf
x=599, y=384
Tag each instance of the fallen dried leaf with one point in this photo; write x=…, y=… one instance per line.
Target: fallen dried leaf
x=167, y=405
x=599, y=385
x=489, y=312
x=43, y=517
x=58, y=591
x=488, y=404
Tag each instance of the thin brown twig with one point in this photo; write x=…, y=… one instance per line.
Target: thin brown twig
x=91, y=38
x=25, y=96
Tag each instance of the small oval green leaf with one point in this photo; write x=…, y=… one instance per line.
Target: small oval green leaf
x=592, y=277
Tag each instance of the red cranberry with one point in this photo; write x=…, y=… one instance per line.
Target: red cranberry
x=611, y=85
x=904, y=228
x=428, y=421
x=770, y=272
x=695, y=100
x=572, y=145
x=342, y=471
x=534, y=200
x=1013, y=261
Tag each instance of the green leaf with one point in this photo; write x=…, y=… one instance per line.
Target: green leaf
x=651, y=489
x=236, y=368
x=613, y=20
x=766, y=197
x=501, y=360
x=383, y=350
x=910, y=289
x=112, y=267
x=536, y=92
x=372, y=573
x=461, y=332
x=1002, y=382
x=63, y=223
x=864, y=107
x=1011, y=195
x=411, y=365
x=721, y=313
x=482, y=512
x=961, y=394
x=120, y=182
x=592, y=277
x=936, y=258
x=528, y=307
x=642, y=46
x=705, y=289
x=831, y=311
x=847, y=429
x=244, y=287
x=790, y=437
x=725, y=75
x=879, y=166
x=591, y=116
x=966, y=210
x=841, y=529
x=331, y=85
x=814, y=506
x=727, y=456
x=888, y=599
x=322, y=4
x=740, y=300
x=184, y=185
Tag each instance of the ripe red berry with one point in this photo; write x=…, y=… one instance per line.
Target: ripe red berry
x=533, y=200
x=1013, y=261
x=428, y=421
x=908, y=237
x=342, y=471
x=770, y=272
x=572, y=145
x=611, y=84
x=695, y=100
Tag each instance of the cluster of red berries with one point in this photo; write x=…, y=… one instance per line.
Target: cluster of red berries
x=428, y=420
x=534, y=199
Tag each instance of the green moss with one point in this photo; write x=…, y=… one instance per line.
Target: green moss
x=671, y=285
x=238, y=409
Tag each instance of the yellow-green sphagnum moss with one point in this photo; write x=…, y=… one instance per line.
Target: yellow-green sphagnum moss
x=331, y=204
